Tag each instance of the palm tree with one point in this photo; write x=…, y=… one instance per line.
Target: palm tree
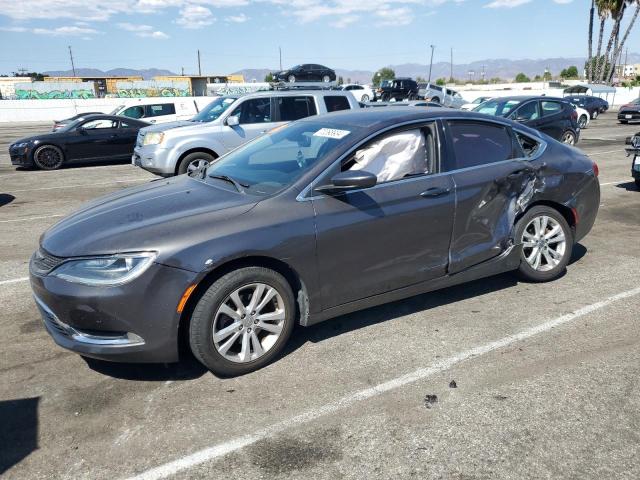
x=618, y=50
x=590, y=46
x=616, y=9
x=604, y=9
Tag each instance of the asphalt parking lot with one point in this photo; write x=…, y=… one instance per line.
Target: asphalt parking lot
x=546, y=375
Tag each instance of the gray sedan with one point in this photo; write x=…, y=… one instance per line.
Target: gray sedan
x=323, y=217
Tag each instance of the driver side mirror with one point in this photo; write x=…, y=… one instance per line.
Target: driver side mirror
x=81, y=130
x=233, y=121
x=349, y=180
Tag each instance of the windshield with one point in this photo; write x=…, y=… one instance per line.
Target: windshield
x=498, y=108
x=116, y=110
x=274, y=161
x=212, y=111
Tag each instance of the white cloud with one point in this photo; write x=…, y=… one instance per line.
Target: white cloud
x=157, y=35
x=506, y=3
x=394, y=17
x=68, y=31
x=195, y=16
x=345, y=21
x=131, y=27
x=13, y=29
x=241, y=18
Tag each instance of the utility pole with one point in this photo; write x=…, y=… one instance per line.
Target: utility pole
x=451, y=73
x=431, y=62
x=182, y=71
x=199, y=67
x=73, y=67
x=280, y=52
x=482, y=73
x=626, y=54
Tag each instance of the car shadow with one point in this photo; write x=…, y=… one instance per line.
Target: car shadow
x=5, y=199
x=577, y=253
x=628, y=186
x=76, y=165
x=187, y=369
x=18, y=430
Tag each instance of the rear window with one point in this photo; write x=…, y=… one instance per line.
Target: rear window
x=295, y=108
x=161, y=109
x=478, y=143
x=335, y=103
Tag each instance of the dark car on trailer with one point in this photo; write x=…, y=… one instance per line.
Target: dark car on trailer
x=94, y=138
x=594, y=105
x=319, y=218
x=629, y=112
x=307, y=72
x=554, y=116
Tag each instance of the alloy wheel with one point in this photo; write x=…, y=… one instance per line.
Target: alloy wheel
x=543, y=243
x=364, y=98
x=249, y=322
x=568, y=138
x=48, y=158
x=326, y=79
x=583, y=121
x=196, y=165
x=291, y=78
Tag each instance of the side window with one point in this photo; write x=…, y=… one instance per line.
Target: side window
x=294, y=108
x=161, y=109
x=100, y=124
x=550, y=108
x=124, y=124
x=397, y=155
x=336, y=103
x=478, y=143
x=134, y=112
x=529, y=146
x=256, y=110
x=528, y=111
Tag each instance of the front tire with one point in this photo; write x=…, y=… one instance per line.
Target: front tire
x=48, y=157
x=624, y=121
x=385, y=97
x=364, y=98
x=195, y=161
x=546, y=243
x=291, y=78
x=326, y=79
x=435, y=99
x=243, y=321
x=582, y=121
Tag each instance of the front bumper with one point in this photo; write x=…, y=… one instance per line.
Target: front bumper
x=154, y=159
x=628, y=115
x=134, y=322
x=20, y=157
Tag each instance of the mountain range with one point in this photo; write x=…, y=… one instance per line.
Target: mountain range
x=505, y=69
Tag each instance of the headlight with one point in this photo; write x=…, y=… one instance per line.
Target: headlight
x=153, y=138
x=20, y=145
x=105, y=271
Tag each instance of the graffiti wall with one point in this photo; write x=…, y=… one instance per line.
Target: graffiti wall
x=54, y=90
x=152, y=88
x=235, y=88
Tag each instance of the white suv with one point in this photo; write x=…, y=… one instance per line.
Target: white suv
x=442, y=95
x=226, y=123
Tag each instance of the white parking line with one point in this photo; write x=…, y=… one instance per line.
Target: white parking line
x=25, y=219
x=222, y=449
x=14, y=280
x=85, y=185
x=615, y=183
x=603, y=153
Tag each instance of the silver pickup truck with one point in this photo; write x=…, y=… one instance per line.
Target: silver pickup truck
x=226, y=123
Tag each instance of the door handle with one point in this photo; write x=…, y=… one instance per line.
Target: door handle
x=435, y=192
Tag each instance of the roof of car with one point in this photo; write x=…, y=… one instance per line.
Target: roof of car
x=288, y=93
x=522, y=98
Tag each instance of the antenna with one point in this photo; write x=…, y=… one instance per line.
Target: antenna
x=73, y=67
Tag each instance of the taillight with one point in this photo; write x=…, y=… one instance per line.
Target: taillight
x=596, y=170
x=574, y=115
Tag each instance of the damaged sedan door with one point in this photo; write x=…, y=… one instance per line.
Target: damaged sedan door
x=493, y=184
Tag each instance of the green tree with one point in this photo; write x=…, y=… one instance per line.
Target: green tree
x=268, y=77
x=547, y=76
x=340, y=81
x=593, y=65
x=385, y=73
x=537, y=78
x=35, y=76
x=572, y=72
x=441, y=81
x=522, y=78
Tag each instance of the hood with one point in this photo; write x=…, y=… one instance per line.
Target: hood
x=631, y=106
x=160, y=215
x=42, y=137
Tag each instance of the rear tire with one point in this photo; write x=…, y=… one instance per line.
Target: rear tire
x=364, y=98
x=190, y=163
x=48, y=157
x=291, y=78
x=582, y=121
x=595, y=114
x=385, y=97
x=213, y=324
x=637, y=180
x=568, y=138
x=545, y=247
x=435, y=99
x=326, y=79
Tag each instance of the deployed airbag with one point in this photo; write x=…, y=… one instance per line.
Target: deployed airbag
x=394, y=157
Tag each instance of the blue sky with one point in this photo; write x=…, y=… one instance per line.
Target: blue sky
x=235, y=34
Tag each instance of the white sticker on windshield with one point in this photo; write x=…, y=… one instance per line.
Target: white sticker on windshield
x=331, y=133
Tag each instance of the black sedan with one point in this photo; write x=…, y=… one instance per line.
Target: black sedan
x=322, y=217
x=594, y=105
x=633, y=150
x=554, y=116
x=629, y=112
x=308, y=72
x=94, y=138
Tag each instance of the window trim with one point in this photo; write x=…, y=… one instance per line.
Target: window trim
x=272, y=110
x=276, y=108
